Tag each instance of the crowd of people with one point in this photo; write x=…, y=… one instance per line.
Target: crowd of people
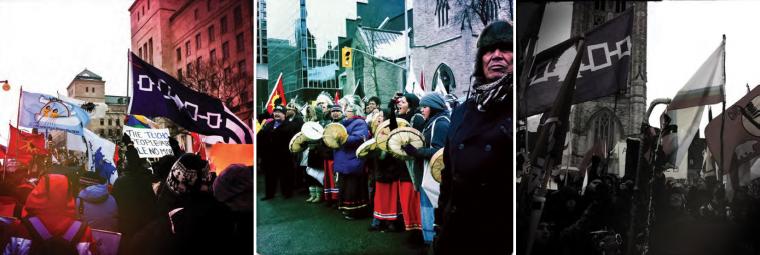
x=175, y=205
x=462, y=213
x=659, y=215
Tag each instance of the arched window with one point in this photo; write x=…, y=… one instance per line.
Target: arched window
x=446, y=77
x=604, y=129
x=442, y=11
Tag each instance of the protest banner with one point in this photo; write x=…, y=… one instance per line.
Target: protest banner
x=150, y=143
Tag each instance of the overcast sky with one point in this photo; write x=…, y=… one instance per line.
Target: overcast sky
x=680, y=37
x=44, y=44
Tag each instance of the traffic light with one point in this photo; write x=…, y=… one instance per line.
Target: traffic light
x=346, y=57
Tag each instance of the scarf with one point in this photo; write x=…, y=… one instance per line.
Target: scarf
x=489, y=94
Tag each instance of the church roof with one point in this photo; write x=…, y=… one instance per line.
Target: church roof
x=88, y=75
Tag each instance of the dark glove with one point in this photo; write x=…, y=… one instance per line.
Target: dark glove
x=409, y=149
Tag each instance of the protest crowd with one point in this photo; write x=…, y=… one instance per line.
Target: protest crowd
x=419, y=162
x=653, y=197
x=144, y=194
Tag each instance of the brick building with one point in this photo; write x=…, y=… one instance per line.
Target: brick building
x=183, y=37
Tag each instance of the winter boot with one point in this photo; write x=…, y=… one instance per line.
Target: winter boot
x=312, y=189
x=318, y=195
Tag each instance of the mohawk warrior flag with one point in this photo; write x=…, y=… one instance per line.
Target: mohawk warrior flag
x=277, y=93
x=48, y=112
x=604, y=69
x=156, y=93
x=22, y=145
x=741, y=140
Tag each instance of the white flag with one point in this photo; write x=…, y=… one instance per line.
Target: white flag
x=687, y=107
x=411, y=82
x=439, y=85
x=99, y=153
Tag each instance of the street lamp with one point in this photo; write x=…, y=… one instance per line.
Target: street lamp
x=6, y=86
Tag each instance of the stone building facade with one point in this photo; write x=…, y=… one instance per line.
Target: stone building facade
x=601, y=120
x=90, y=87
x=177, y=35
x=444, y=38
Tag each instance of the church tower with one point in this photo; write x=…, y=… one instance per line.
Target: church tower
x=600, y=120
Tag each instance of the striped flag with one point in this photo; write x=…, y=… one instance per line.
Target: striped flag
x=682, y=117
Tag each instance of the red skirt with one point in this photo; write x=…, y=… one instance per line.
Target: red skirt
x=331, y=190
x=389, y=195
x=386, y=201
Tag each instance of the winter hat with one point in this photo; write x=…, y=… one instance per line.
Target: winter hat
x=51, y=195
x=234, y=180
x=336, y=108
x=434, y=101
x=187, y=174
x=279, y=108
x=413, y=100
x=497, y=33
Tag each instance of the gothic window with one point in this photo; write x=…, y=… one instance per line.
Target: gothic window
x=446, y=77
x=604, y=129
x=442, y=11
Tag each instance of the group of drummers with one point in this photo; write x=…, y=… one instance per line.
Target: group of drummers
x=362, y=158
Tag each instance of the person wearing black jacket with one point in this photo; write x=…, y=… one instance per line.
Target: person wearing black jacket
x=276, y=160
x=476, y=182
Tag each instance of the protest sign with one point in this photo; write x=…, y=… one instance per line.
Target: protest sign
x=150, y=143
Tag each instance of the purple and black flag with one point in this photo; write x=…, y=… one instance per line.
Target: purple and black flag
x=156, y=93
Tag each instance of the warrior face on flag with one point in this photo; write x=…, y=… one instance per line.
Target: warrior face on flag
x=49, y=112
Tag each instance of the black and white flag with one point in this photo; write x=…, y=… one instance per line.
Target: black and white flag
x=604, y=70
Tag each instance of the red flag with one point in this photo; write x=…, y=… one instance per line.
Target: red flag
x=23, y=146
x=422, y=80
x=337, y=96
x=116, y=154
x=277, y=93
x=198, y=146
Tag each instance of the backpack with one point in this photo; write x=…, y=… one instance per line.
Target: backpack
x=44, y=243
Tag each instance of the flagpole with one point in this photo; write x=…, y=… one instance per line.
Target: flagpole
x=723, y=116
x=129, y=62
x=18, y=111
x=605, y=170
x=18, y=115
x=544, y=155
x=5, y=159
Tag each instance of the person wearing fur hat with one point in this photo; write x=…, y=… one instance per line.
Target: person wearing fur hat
x=436, y=128
x=475, y=181
x=276, y=160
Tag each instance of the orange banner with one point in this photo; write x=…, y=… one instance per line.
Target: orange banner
x=222, y=155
